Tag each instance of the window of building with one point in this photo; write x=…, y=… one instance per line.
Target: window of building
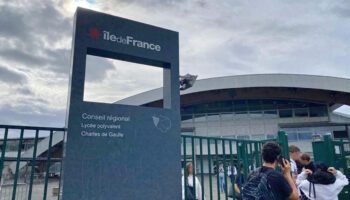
x=269, y=136
x=292, y=137
x=240, y=105
x=269, y=104
x=254, y=105
x=285, y=113
x=318, y=111
x=243, y=137
x=270, y=114
x=305, y=136
x=258, y=137
x=301, y=112
x=340, y=135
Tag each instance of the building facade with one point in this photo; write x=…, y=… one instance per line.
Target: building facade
x=258, y=106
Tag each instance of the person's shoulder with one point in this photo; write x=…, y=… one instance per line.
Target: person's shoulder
x=273, y=174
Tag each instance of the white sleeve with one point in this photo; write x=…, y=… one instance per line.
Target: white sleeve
x=294, y=167
x=198, y=189
x=301, y=177
x=183, y=188
x=341, y=180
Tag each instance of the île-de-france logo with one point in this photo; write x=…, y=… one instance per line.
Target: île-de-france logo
x=162, y=123
x=94, y=33
x=123, y=39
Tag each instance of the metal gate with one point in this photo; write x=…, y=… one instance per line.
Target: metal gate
x=31, y=161
x=336, y=154
x=29, y=169
x=208, y=154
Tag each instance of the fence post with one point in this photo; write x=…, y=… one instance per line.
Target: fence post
x=282, y=139
x=2, y=161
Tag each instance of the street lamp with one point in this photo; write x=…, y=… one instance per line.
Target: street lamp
x=187, y=81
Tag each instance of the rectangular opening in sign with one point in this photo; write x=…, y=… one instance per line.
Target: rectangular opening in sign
x=114, y=81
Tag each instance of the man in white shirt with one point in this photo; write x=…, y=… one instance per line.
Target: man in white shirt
x=294, y=154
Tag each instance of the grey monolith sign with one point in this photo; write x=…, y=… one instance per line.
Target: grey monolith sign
x=122, y=152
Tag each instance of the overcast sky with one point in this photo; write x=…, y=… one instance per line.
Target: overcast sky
x=217, y=38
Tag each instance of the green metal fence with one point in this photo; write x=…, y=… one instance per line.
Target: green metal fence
x=208, y=154
x=26, y=157
x=334, y=153
x=31, y=162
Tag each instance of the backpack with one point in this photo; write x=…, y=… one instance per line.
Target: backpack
x=189, y=192
x=257, y=187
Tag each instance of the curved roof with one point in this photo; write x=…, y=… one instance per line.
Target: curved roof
x=332, y=85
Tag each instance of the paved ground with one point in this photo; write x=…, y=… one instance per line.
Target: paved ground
x=23, y=189
x=214, y=188
x=38, y=190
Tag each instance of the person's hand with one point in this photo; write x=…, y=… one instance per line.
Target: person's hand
x=286, y=167
x=332, y=170
x=307, y=171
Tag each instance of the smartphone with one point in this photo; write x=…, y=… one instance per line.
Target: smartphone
x=280, y=161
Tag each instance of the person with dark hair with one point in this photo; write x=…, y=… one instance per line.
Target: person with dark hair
x=323, y=184
x=222, y=178
x=268, y=184
x=239, y=182
x=299, y=166
x=305, y=160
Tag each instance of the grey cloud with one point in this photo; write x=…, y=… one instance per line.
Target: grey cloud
x=149, y=3
x=96, y=68
x=29, y=28
x=25, y=91
x=11, y=77
x=281, y=30
x=37, y=18
x=58, y=60
x=31, y=116
x=53, y=60
x=243, y=51
x=12, y=23
x=342, y=9
x=33, y=100
x=19, y=56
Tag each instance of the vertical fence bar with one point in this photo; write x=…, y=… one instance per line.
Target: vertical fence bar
x=257, y=155
x=283, y=141
x=61, y=169
x=239, y=162
x=251, y=157
x=261, y=160
x=209, y=165
x=245, y=159
x=48, y=165
x=33, y=164
x=185, y=169
x=201, y=161
x=3, y=150
x=232, y=178
x=217, y=168
x=225, y=167
x=17, y=165
x=193, y=167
